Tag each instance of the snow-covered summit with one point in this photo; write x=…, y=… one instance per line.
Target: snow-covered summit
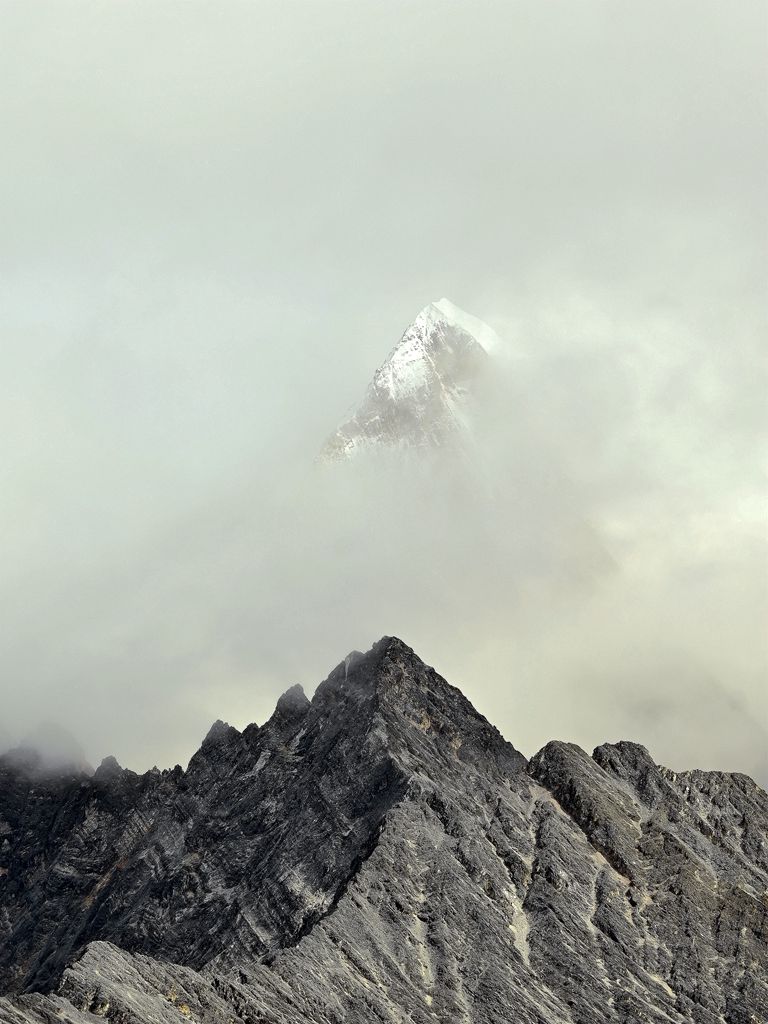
x=480, y=331
x=421, y=394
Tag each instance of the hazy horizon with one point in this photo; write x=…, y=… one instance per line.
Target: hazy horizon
x=218, y=222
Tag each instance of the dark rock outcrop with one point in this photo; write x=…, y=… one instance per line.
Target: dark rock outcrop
x=381, y=853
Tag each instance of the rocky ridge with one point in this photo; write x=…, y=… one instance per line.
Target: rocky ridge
x=381, y=853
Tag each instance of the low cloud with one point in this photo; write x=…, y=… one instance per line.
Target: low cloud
x=220, y=227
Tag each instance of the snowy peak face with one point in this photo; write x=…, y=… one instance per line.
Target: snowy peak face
x=485, y=336
x=421, y=395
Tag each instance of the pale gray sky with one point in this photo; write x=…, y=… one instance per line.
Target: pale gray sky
x=217, y=218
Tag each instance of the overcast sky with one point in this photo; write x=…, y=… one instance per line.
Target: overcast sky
x=217, y=218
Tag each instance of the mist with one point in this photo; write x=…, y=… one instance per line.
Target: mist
x=219, y=221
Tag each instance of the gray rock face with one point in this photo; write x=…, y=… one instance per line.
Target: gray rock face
x=381, y=853
x=421, y=395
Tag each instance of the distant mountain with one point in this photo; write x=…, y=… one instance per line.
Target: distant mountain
x=421, y=395
x=48, y=750
x=381, y=854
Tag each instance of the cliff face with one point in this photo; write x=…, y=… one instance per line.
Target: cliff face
x=383, y=854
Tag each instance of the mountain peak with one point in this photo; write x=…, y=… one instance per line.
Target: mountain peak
x=430, y=725
x=219, y=732
x=108, y=769
x=421, y=395
x=480, y=331
x=369, y=669
x=290, y=708
x=50, y=750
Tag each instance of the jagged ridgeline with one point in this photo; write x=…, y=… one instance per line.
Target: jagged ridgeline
x=381, y=853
